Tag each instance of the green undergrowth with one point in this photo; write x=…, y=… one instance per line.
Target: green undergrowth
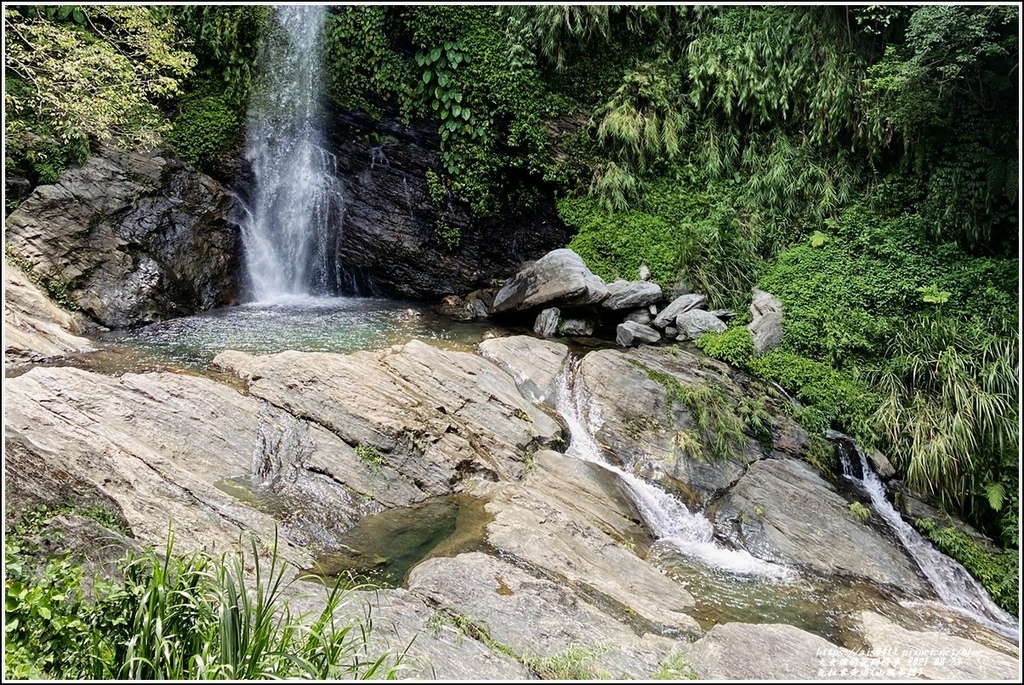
x=689, y=235
x=171, y=617
x=209, y=124
x=998, y=573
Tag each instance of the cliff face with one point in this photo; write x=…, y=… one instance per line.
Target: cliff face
x=130, y=237
x=390, y=242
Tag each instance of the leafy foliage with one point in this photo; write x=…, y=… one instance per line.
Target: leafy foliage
x=176, y=618
x=686, y=235
x=206, y=126
x=90, y=73
x=950, y=406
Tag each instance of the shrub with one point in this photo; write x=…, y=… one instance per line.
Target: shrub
x=170, y=617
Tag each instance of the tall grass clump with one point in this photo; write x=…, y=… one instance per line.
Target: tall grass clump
x=191, y=617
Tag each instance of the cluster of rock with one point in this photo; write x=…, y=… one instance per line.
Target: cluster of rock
x=570, y=300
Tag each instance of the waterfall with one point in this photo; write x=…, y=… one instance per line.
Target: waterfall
x=667, y=518
x=954, y=585
x=291, y=227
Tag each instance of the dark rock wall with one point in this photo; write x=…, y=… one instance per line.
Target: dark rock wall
x=389, y=241
x=130, y=237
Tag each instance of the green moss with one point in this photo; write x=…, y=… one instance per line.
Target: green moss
x=207, y=126
x=719, y=428
x=860, y=512
x=735, y=346
x=371, y=457
x=683, y=232
x=822, y=455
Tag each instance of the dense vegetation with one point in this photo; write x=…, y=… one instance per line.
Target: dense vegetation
x=860, y=163
x=168, y=617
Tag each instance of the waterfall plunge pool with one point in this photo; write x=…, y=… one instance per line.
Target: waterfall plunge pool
x=309, y=324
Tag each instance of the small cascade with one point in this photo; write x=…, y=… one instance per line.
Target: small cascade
x=666, y=517
x=954, y=585
x=296, y=207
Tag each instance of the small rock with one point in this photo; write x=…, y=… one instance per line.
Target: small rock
x=883, y=467
x=629, y=294
x=645, y=273
x=696, y=322
x=546, y=325
x=671, y=332
x=576, y=327
x=640, y=316
x=454, y=307
x=653, y=309
x=630, y=334
x=766, y=326
x=681, y=304
x=723, y=314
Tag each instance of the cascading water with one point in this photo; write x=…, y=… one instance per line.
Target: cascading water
x=291, y=226
x=665, y=516
x=952, y=582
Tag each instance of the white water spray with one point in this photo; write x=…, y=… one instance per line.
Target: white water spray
x=666, y=517
x=291, y=230
x=954, y=585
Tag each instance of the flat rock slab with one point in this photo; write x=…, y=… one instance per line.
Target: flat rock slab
x=936, y=656
x=404, y=623
x=536, y=366
x=433, y=415
x=152, y=449
x=534, y=617
x=694, y=323
x=572, y=520
x=782, y=511
x=745, y=651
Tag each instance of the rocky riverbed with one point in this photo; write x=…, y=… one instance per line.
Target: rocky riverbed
x=551, y=565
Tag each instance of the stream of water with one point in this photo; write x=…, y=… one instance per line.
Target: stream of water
x=954, y=585
x=293, y=219
x=666, y=517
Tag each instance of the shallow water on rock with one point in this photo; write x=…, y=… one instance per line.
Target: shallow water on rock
x=382, y=548
x=335, y=324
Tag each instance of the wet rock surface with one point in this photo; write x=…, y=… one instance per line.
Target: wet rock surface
x=132, y=237
x=780, y=510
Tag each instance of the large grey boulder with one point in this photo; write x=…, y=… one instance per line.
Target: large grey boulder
x=559, y=278
x=36, y=329
x=782, y=511
x=766, y=325
x=681, y=304
x=631, y=294
x=694, y=323
x=629, y=334
x=536, y=366
x=640, y=316
x=133, y=237
x=639, y=420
